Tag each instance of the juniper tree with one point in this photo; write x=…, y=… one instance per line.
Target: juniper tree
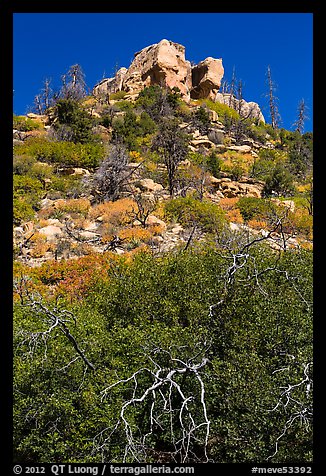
x=172, y=144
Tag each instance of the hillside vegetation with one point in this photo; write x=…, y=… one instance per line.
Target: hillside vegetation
x=163, y=283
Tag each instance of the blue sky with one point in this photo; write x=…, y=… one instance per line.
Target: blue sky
x=45, y=45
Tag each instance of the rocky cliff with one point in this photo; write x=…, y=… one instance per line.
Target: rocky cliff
x=164, y=64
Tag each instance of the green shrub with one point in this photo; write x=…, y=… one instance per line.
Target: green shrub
x=130, y=127
x=87, y=155
x=257, y=337
x=27, y=192
x=280, y=182
x=41, y=171
x=22, y=211
x=214, y=164
x=252, y=207
x=189, y=211
x=124, y=105
x=148, y=96
x=223, y=110
x=73, y=122
x=22, y=164
x=24, y=184
x=117, y=95
x=25, y=124
x=258, y=132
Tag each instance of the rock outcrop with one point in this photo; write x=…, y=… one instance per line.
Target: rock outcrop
x=164, y=64
x=246, y=109
x=206, y=78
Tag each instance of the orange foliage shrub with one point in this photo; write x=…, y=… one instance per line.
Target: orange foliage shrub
x=117, y=213
x=257, y=224
x=135, y=234
x=72, y=278
x=74, y=206
x=234, y=216
x=229, y=205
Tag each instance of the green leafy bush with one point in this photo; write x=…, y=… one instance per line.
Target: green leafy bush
x=223, y=110
x=27, y=193
x=257, y=341
x=252, y=207
x=189, y=211
x=279, y=182
x=118, y=95
x=25, y=124
x=87, y=155
x=22, y=164
x=22, y=211
x=73, y=123
x=130, y=127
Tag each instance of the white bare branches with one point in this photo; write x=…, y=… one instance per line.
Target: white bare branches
x=295, y=400
x=170, y=394
x=54, y=318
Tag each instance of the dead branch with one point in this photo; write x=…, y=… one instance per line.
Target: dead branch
x=171, y=408
x=54, y=318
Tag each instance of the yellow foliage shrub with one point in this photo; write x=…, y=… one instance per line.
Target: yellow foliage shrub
x=75, y=205
x=135, y=156
x=37, y=238
x=302, y=222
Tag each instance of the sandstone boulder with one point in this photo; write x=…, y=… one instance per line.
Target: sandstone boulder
x=206, y=78
x=247, y=109
x=244, y=149
x=152, y=220
x=164, y=64
x=232, y=189
x=148, y=185
x=110, y=85
x=51, y=232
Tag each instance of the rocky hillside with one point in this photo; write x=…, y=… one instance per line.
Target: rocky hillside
x=162, y=273
x=164, y=64
x=98, y=173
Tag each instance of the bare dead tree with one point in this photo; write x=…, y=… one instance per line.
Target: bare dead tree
x=52, y=318
x=301, y=118
x=45, y=99
x=38, y=104
x=239, y=246
x=309, y=196
x=175, y=405
x=47, y=94
x=232, y=91
x=144, y=206
x=73, y=83
x=295, y=399
x=111, y=176
x=273, y=106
